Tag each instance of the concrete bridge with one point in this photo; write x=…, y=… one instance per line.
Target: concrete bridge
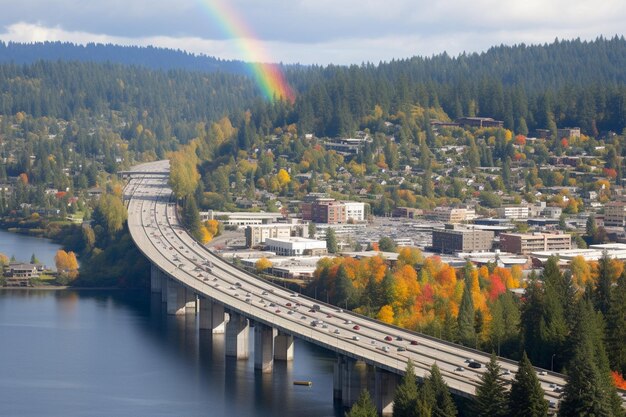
x=370, y=354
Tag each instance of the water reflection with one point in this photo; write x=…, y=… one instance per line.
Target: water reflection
x=114, y=353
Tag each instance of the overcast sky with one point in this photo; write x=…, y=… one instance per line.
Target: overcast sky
x=315, y=31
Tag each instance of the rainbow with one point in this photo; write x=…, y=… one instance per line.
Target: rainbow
x=269, y=77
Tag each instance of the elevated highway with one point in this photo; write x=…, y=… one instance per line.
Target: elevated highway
x=370, y=354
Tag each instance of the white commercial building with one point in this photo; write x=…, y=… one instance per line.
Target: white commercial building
x=354, y=210
x=513, y=212
x=296, y=246
x=240, y=218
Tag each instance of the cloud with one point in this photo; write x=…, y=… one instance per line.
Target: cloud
x=316, y=31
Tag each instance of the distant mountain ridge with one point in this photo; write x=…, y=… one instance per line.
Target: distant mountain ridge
x=144, y=56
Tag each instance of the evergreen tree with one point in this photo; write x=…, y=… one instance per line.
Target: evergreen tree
x=343, y=287
x=437, y=394
x=191, y=217
x=405, y=400
x=331, y=240
x=364, y=407
x=465, y=319
x=491, y=397
x=602, y=291
x=589, y=363
x=526, y=397
x=33, y=259
x=616, y=326
x=532, y=319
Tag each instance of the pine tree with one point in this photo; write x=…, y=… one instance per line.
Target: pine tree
x=191, y=217
x=602, y=291
x=616, y=326
x=331, y=240
x=491, y=397
x=526, y=397
x=437, y=394
x=465, y=319
x=364, y=407
x=589, y=363
x=532, y=319
x=405, y=400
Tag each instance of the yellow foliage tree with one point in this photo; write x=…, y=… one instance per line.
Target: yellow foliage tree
x=283, y=177
x=581, y=271
x=212, y=226
x=66, y=263
x=262, y=264
x=205, y=235
x=385, y=314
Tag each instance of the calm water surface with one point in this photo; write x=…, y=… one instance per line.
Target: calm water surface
x=113, y=353
x=23, y=246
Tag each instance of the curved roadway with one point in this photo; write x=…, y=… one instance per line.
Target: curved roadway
x=156, y=231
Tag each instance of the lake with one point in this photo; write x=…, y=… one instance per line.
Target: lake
x=116, y=353
x=23, y=246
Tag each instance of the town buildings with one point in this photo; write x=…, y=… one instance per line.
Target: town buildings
x=525, y=243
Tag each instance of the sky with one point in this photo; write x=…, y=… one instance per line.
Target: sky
x=313, y=31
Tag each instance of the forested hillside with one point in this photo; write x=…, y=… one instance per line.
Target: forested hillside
x=149, y=56
x=564, y=83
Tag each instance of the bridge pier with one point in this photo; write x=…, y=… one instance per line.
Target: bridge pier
x=190, y=301
x=338, y=378
x=237, y=330
x=211, y=315
x=176, y=298
x=264, y=346
x=164, y=281
x=385, y=384
x=156, y=279
x=353, y=380
x=283, y=347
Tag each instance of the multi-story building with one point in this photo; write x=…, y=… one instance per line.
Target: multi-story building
x=568, y=132
x=296, y=246
x=525, y=243
x=455, y=239
x=479, y=122
x=615, y=214
x=407, y=212
x=355, y=211
x=328, y=211
x=240, y=218
x=513, y=212
x=257, y=234
x=331, y=211
x=449, y=215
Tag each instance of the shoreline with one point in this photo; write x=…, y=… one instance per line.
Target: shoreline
x=65, y=287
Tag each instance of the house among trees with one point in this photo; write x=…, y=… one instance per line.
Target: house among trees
x=479, y=122
x=19, y=274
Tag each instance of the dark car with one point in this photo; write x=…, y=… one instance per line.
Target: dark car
x=388, y=338
x=414, y=342
x=475, y=365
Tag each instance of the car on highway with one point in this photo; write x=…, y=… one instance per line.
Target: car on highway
x=401, y=349
x=475, y=365
x=356, y=338
x=414, y=342
x=388, y=338
x=337, y=331
x=356, y=327
x=460, y=369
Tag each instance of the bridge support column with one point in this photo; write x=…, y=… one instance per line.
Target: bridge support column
x=164, y=283
x=190, y=301
x=264, y=347
x=283, y=347
x=338, y=378
x=384, y=390
x=237, y=336
x=175, y=298
x=353, y=381
x=211, y=315
x=156, y=279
